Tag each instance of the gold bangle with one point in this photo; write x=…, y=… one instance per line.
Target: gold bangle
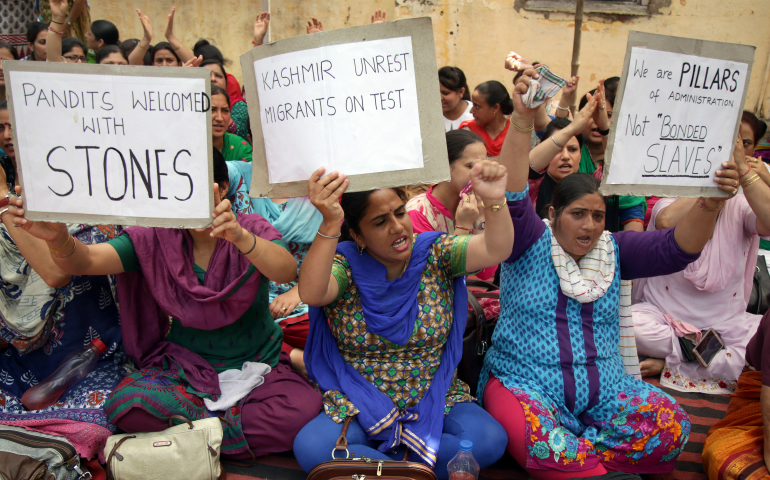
x=62, y=245
x=523, y=130
x=74, y=246
x=750, y=181
x=494, y=208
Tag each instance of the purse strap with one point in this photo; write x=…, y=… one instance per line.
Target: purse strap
x=481, y=324
x=342, y=441
x=112, y=454
x=179, y=417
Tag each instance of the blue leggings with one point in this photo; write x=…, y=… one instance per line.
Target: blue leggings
x=466, y=421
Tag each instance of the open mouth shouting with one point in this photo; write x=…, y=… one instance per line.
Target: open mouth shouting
x=401, y=244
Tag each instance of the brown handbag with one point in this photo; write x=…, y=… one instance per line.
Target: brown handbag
x=361, y=468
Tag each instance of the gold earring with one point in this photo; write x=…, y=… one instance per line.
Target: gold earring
x=360, y=249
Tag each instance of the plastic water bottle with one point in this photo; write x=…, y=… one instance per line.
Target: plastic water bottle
x=463, y=466
x=75, y=366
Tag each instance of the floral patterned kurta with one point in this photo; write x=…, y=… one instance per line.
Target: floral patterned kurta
x=403, y=372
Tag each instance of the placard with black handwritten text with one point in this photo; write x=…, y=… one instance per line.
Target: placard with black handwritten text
x=110, y=144
x=676, y=119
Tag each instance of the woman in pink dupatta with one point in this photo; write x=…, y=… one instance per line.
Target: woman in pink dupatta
x=710, y=293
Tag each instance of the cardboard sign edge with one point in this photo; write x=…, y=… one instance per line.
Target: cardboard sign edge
x=659, y=42
x=122, y=70
x=435, y=160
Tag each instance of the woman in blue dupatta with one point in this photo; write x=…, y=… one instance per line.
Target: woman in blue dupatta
x=387, y=317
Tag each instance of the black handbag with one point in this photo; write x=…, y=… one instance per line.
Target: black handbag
x=478, y=334
x=758, y=302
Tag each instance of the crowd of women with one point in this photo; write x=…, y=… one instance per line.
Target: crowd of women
x=354, y=305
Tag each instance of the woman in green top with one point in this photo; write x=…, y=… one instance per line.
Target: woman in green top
x=213, y=285
x=232, y=146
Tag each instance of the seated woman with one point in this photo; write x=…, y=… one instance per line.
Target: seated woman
x=443, y=208
x=388, y=314
x=711, y=293
x=238, y=109
x=554, y=377
x=738, y=446
x=491, y=107
x=194, y=304
x=232, y=146
x=455, y=97
x=67, y=313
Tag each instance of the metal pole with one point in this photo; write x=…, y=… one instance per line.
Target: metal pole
x=266, y=8
x=576, y=48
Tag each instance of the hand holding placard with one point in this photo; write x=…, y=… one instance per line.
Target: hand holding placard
x=676, y=115
x=104, y=158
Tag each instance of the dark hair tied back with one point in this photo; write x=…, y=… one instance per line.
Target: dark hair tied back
x=355, y=204
x=572, y=188
x=454, y=79
x=757, y=126
x=495, y=93
x=217, y=90
x=106, y=31
x=559, y=124
x=457, y=141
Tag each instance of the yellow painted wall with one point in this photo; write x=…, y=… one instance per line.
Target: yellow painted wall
x=474, y=35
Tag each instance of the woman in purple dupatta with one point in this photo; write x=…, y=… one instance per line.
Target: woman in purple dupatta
x=213, y=286
x=387, y=317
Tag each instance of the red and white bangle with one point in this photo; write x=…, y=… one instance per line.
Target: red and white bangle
x=469, y=230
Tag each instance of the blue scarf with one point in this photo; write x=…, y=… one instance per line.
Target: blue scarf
x=298, y=223
x=390, y=310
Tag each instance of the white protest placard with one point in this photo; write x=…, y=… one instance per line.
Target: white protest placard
x=676, y=115
x=111, y=144
x=360, y=100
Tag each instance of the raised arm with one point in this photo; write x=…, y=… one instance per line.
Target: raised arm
x=696, y=228
x=185, y=54
x=543, y=153
x=317, y=285
x=755, y=189
x=271, y=259
x=514, y=155
x=136, y=57
x=78, y=7
x=59, y=10
x=567, y=95
x=261, y=24
x=495, y=244
x=67, y=253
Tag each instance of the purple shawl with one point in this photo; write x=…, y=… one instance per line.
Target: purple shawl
x=167, y=287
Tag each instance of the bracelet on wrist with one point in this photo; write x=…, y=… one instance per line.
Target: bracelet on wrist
x=469, y=230
x=253, y=246
x=328, y=236
x=562, y=108
x=750, y=181
x=561, y=147
x=63, y=244
x=704, y=206
x=494, y=207
x=58, y=23
x=55, y=31
x=74, y=246
x=745, y=173
x=521, y=129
